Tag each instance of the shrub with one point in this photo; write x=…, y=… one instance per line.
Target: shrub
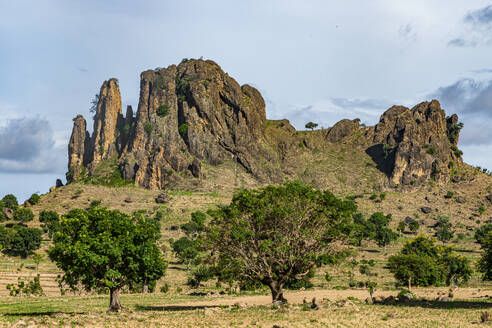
x=23, y=214
x=414, y=226
x=164, y=288
x=183, y=130
x=34, y=199
x=163, y=110
x=148, y=128
x=33, y=287
x=10, y=201
x=449, y=194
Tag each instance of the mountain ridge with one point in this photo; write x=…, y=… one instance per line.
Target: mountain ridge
x=195, y=114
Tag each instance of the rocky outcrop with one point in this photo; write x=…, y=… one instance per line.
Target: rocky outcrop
x=106, y=127
x=77, y=149
x=194, y=114
x=417, y=143
x=342, y=129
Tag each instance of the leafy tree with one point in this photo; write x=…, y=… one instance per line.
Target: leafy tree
x=383, y=235
x=34, y=199
x=482, y=232
x=186, y=249
x=196, y=225
x=422, y=263
x=23, y=241
x=485, y=263
x=444, y=232
x=400, y=228
x=414, y=226
x=106, y=249
x=274, y=234
x=311, y=125
x=10, y=201
x=23, y=214
x=50, y=221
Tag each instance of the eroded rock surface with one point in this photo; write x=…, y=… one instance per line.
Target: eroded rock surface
x=195, y=113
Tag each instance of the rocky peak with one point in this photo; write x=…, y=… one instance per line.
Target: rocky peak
x=106, y=120
x=194, y=114
x=417, y=143
x=77, y=148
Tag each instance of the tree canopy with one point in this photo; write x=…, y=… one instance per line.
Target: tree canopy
x=422, y=263
x=106, y=249
x=278, y=233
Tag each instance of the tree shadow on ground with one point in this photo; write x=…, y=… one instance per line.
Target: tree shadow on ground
x=458, y=304
x=41, y=313
x=171, y=308
x=384, y=159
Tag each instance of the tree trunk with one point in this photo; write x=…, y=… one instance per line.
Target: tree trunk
x=409, y=283
x=277, y=292
x=114, y=300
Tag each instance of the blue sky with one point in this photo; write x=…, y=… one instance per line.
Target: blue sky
x=312, y=60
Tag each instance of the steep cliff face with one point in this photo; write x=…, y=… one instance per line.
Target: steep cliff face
x=79, y=142
x=195, y=113
x=418, y=143
x=107, y=121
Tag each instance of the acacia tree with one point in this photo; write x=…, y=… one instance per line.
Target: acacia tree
x=105, y=249
x=277, y=233
x=311, y=125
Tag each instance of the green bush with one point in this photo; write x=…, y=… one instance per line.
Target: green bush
x=183, y=130
x=10, y=201
x=164, y=288
x=148, y=128
x=23, y=214
x=22, y=241
x=50, y=221
x=163, y=110
x=34, y=199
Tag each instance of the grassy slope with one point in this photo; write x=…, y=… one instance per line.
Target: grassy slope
x=343, y=168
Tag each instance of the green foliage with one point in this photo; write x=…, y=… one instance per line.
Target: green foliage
x=382, y=195
x=94, y=103
x=106, y=174
x=34, y=199
x=482, y=232
x=485, y=263
x=196, y=225
x=311, y=125
x=163, y=110
x=199, y=274
x=444, y=232
x=453, y=130
x=23, y=214
x=183, y=130
x=449, y=194
x=422, y=263
x=50, y=221
x=414, y=226
x=148, y=128
x=431, y=150
x=33, y=287
x=10, y=201
x=164, y=288
x=481, y=209
x=287, y=230
x=186, y=249
x=105, y=249
x=401, y=227
x=20, y=240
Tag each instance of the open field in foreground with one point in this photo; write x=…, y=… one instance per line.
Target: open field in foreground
x=343, y=308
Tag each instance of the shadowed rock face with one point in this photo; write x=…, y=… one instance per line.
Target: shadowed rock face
x=196, y=113
x=418, y=141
